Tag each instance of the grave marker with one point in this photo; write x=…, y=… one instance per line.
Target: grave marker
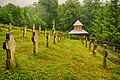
x=90, y=44
x=54, y=39
x=35, y=42
x=48, y=40
x=105, y=53
x=33, y=28
x=10, y=27
x=45, y=31
x=9, y=45
x=95, y=48
x=24, y=31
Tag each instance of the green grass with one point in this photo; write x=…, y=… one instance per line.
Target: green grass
x=67, y=60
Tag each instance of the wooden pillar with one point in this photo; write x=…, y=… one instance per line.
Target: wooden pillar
x=95, y=48
x=48, y=40
x=54, y=42
x=105, y=53
x=9, y=45
x=24, y=31
x=35, y=42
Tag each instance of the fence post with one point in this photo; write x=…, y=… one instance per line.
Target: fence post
x=48, y=40
x=105, y=53
x=95, y=48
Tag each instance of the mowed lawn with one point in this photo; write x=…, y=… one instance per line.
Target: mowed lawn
x=67, y=60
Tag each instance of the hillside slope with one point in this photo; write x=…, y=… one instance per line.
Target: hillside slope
x=66, y=60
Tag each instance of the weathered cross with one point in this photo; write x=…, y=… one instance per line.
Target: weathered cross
x=35, y=42
x=9, y=45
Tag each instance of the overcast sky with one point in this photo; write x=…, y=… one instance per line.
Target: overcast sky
x=24, y=2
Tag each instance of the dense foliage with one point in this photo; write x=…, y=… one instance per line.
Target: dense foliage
x=101, y=20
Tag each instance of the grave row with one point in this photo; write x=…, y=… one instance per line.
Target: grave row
x=89, y=42
x=10, y=44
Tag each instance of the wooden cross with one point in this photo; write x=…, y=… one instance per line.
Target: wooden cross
x=48, y=40
x=35, y=42
x=45, y=31
x=54, y=39
x=33, y=28
x=24, y=31
x=105, y=53
x=95, y=47
x=10, y=27
x=90, y=44
x=86, y=42
x=53, y=28
x=9, y=45
x=39, y=30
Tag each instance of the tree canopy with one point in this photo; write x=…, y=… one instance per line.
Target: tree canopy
x=101, y=20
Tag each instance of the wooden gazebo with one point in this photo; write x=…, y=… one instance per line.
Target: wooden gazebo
x=78, y=31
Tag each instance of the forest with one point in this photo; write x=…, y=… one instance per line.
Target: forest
x=100, y=19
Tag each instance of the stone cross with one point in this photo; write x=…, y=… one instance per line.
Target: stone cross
x=9, y=45
x=90, y=44
x=54, y=39
x=95, y=47
x=10, y=27
x=33, y=28
x=48, y=40
x=24, y=31
x=35, y=42
x=105, y=53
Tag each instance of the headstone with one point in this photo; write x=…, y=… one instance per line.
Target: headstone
x=54, y=39
x=9, y=45
x=105, y=53
x=35, y=42
x=33, y=28
x=24, y=31
x=48, y=40
x=95, y=48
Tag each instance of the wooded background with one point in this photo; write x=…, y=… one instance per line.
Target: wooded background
x=101, y=20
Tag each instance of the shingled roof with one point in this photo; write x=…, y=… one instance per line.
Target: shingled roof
x=78, y=32
x=77, y=23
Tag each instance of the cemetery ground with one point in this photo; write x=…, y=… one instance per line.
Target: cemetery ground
x=67, y=60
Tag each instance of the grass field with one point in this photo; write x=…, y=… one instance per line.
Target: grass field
x=67, y=60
